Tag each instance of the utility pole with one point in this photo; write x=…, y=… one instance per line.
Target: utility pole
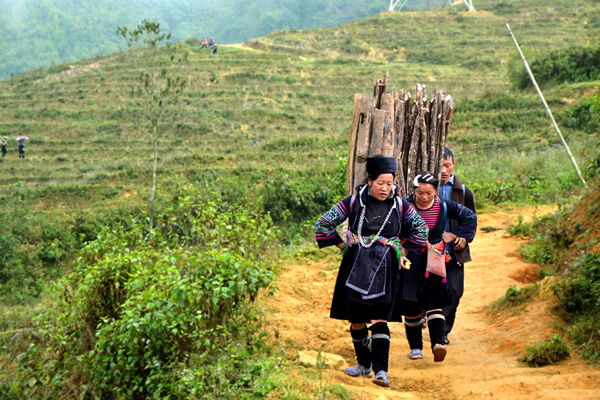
x=547, y=108
x=394, y=3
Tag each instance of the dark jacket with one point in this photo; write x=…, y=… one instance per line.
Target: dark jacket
x=465, y=198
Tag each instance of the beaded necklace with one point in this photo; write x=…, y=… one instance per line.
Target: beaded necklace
x=371, y=239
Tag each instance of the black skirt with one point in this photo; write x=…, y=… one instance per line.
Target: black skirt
x=419, y=293
x=346, y=306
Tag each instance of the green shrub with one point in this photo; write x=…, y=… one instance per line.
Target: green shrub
x=573, y=64
x=579, y=291
x=515, y=300
x=143, y=310
x=582, y=116
x=520, y=228
x=546, y=352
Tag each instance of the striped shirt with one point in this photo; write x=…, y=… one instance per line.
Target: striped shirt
x=432, y=214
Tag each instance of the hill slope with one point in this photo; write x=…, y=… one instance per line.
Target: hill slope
x=42, y=33
x=271, y=119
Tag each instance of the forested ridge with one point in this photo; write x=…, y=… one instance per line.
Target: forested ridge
x=39, y=33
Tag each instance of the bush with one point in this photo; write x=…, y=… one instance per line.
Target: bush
x=582, y=116
x=546, y=352
x=515, y=299
x=148, y=314
x=570, y=65
x=579, y=291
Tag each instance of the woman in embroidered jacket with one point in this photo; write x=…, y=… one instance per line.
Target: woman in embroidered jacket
x=381, y=225
x=423, y=290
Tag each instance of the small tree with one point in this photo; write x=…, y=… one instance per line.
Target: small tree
x=157, y=89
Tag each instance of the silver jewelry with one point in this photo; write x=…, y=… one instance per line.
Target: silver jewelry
x=360, y=225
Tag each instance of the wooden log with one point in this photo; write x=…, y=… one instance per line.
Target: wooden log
x=376, y=144
x=424, y=143
x=401, y=118
x=379, y=90
x=447, y=112
x=389, y=125
x=363, y=140
x=352, y=146
x=433, y=131
x=413, y=151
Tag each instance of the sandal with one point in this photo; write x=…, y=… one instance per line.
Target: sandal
x=416, y=354
x=381, y=379
x=439, y=352
x=358, y=370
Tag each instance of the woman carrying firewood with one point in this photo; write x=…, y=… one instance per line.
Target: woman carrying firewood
x=381, y=227
x=424, y=285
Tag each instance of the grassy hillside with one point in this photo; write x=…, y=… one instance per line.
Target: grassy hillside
x=271, y=119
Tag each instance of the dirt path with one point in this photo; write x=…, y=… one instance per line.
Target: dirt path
x=482, y=357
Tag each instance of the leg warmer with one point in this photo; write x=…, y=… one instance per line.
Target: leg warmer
x=362, y=346
x=437, y=327
x=380, y=346
x=414, y=332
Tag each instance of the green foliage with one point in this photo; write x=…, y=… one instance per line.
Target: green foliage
x=547, y=352
x=593, y=166
x=550, y=240
x=583, y=116
x=569, y=65
x=521, y=228
x=579, y=291
x=145, y=312
x=515, y=300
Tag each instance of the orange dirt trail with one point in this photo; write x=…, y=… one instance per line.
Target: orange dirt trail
x=482, y=356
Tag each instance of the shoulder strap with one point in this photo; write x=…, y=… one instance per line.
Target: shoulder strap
x=445, y=212
x=464, y=193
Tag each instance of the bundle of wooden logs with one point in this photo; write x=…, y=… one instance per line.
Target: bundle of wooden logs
x=412, y=131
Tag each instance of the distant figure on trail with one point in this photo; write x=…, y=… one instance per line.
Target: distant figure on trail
x=3, y=144
x=211, y=43
x=425, y=287
x=381, y=228
x=204, y=44
x=453, y=189
x=21, y=146
x=213, y=49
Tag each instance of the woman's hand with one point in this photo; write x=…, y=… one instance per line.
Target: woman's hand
x=460, y=243
x=341, y=245
x=448, y=237
x=405, y=263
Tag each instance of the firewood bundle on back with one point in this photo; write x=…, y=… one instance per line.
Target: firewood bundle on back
x=414, y=131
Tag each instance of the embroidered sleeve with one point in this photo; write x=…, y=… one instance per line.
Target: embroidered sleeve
x=467, y=221
x=414, y=227
x=325, y=227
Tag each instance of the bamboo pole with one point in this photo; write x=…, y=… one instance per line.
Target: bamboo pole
x=546, y=106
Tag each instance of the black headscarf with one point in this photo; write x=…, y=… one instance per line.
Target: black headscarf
x=381, y=165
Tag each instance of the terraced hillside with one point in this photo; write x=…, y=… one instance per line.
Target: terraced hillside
x=282, y=105
x=273, y=115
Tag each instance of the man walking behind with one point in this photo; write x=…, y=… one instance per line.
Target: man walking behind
x=453, y=189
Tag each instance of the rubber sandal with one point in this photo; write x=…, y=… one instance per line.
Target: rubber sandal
x=381, y=379
x=446, y=341
x=439, y=352
x=416, y=354
x=357, y=371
